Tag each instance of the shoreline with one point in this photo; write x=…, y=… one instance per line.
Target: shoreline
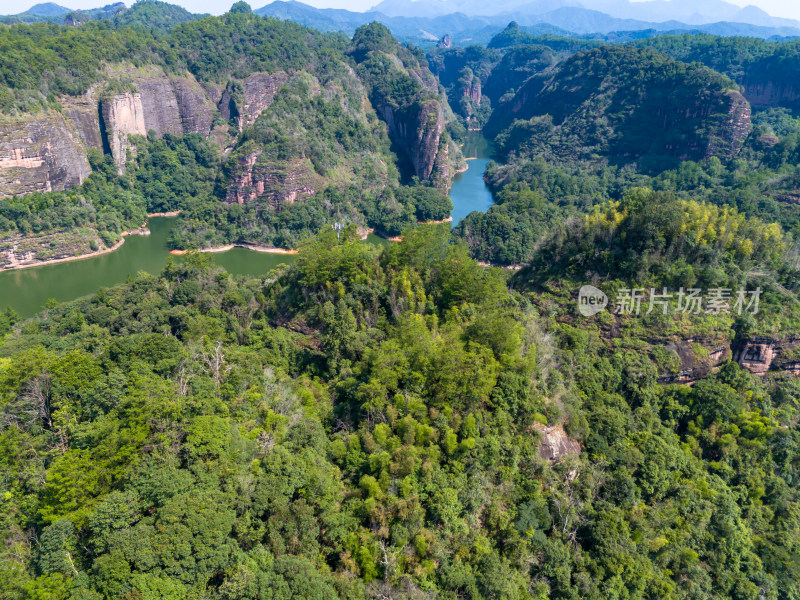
x=93, y=254
x=483, y=263
x=396, y=238
x=172, y=213
x=253, y=247
x=143, y=230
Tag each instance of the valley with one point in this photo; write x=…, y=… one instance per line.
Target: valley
x=573, y=373
x=27, y=290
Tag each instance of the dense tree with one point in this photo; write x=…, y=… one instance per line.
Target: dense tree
x=373, y=430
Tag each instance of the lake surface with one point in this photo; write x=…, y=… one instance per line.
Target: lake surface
x=470, y=192
x=27, y=290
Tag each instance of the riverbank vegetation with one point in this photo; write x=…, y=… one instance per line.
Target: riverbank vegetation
x=168, y=174
x=575, y=154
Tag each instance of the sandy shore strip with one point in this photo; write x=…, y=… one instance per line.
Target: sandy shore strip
x=447, y=220
x=253, y=247
x=31, y=263
x=506, y=267
x=173, y=213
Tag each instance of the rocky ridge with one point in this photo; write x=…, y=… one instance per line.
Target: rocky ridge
x=48, y=151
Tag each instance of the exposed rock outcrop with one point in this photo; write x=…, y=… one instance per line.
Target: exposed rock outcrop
x=279, y=186
x=759, y=355
x=736, y=128
x=473, y=91
x=195, y=107
x=766, y=93
x=258, y=92
x=556, y=444
x=48, y=150
x=406, y=96
x=762, y=354
x=698, y=359
x=163, y=104
x=160, y=104
x=82, y=114
x=123, y=116
x=417, y=131
x=40, y=153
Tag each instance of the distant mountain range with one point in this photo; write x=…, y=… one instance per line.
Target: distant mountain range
x=691, y=12
x=423, y=22
x=50, y=11
x=150, y=14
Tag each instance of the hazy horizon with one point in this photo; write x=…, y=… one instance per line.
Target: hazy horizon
x=776, y=8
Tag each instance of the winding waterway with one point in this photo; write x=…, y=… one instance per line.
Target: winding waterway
x=27, y=290
x=470, y=192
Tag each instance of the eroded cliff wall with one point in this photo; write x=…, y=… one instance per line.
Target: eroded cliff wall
x=40, y=153
x=177, y=105
x=48, y=151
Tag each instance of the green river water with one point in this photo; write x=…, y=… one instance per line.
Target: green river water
x=27, y=290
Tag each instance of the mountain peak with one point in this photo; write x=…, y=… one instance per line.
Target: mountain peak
x=47, y=9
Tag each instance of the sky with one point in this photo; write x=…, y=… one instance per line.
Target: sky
x=777, y=8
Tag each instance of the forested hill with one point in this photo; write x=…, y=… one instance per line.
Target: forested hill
x=576, y=124
x=626, y=104
x=767, y=71
x=293, y=127
x=394, y=423
x=146, y=14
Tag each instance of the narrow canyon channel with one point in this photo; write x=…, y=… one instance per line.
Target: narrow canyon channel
x=27, y=290
x=470, y=192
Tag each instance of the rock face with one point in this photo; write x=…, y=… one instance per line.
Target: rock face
x=175, y=105
x=759, y=355
x=756, y=355
x=123, y=116
x=82, y=114
x=469, y=90
x=279, y=186
x=195, y=107
x=762, y=354
x=406, y=96
x=47, y=151
x=40, y=153
x=417, y=131
x=258, y=92
x=736, y=128
x=556, y=444
x=160, y=105
x=766, y=93
x=696, y=365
